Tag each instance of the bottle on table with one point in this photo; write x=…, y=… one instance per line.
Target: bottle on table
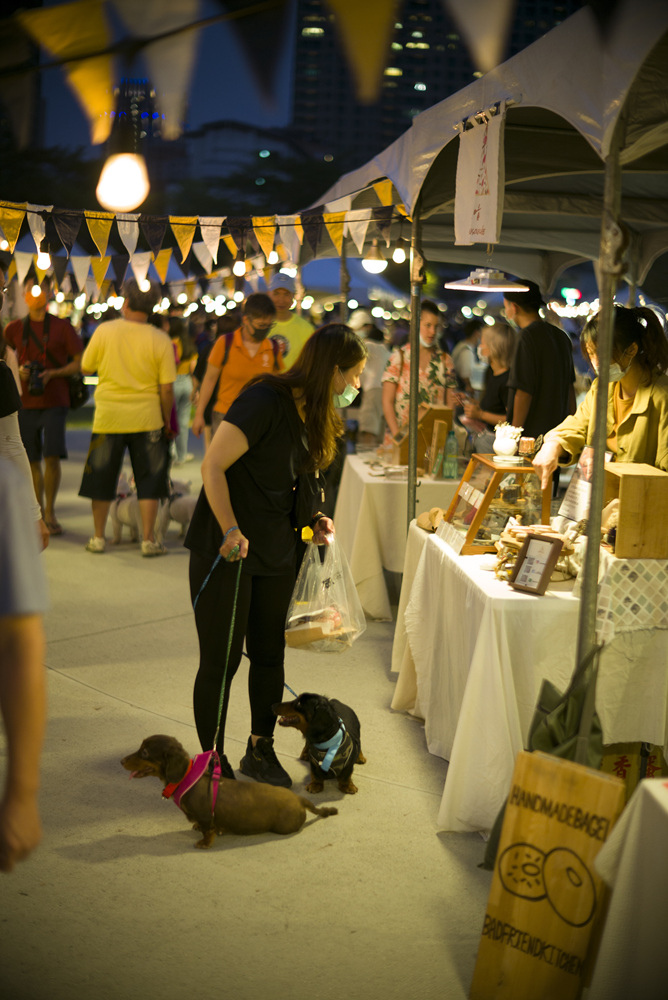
x=450, y=457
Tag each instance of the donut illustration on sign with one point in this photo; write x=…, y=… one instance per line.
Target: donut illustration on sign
x=521, y=871
x=569, y=887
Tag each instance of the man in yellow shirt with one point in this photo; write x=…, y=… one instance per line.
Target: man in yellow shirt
x=237, y=357
x=290, y=329
x=136, y=370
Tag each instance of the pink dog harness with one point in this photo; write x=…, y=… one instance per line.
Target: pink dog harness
x=196, y=768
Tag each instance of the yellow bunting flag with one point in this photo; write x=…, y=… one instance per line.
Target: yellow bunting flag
x=68, y=30
x=184, y=231
x=161, y=264
x=264, y=227
x=99, y=266
x=41, y=274
x=334, y=222
x=11, y=270
x=230, y=244
x=366, y=32
x=11, y=220
x=384, y=191
x=99, y=227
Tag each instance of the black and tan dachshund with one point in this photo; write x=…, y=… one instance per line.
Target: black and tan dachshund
x=242, y=807
x=331, y=731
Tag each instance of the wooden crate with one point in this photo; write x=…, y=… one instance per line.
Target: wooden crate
x=425, y=430
x=546, y=897
x=642, y=490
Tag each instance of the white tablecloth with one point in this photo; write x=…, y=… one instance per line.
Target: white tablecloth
x=370, y=519
x=479, y=651
x=633, y=958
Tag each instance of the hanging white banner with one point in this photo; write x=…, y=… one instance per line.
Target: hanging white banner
x=480, y=183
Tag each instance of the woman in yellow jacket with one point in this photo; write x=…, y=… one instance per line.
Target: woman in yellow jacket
x=637, y=398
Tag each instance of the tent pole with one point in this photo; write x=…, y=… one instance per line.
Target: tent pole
x=610, y=266
x=344, y=284
x=417, y=279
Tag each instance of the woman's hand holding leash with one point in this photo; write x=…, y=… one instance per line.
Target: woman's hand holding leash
x=235, y=545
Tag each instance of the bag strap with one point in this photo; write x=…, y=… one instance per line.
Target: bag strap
x=29, y=333
x=229, y=337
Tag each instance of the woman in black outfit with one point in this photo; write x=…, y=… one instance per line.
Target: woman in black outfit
x=261, y=487
x=497, y=345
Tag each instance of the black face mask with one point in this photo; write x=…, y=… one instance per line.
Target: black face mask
x=259, y=334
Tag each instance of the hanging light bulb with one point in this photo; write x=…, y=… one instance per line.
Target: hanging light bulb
x=123, y=183
x=374, y=262
x=399, y=254
x=272, y=258
x=43, y=262
x=239, y=266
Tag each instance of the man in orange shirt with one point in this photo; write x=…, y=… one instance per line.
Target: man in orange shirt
x=237, y=357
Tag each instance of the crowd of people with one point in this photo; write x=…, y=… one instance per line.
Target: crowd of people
x=269, y=393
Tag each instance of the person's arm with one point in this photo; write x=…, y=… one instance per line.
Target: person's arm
x=23, y=707
x=72, y=367
x=521, y=405
x=166, y=391
x=388, y=396
x=473, y=411
x=572, y=402
x=205, y=393
x=228, y=444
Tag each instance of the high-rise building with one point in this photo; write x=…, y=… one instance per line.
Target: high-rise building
x=427, y=62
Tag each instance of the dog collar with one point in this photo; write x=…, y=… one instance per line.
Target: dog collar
x=331, y=746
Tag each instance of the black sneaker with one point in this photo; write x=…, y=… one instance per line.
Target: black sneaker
x=261, y=763
x=226, y=768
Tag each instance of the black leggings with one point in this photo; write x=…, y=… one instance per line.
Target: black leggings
x=262, y=605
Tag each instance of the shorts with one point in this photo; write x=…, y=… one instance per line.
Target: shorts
x=149, y=457
x=43, y=432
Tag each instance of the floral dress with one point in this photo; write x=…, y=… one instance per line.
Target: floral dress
x=431, y=382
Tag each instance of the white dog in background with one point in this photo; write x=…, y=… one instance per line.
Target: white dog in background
x=178, y=507
x=125, y=512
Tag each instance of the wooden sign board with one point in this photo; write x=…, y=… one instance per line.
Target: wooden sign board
x=438, y=438
x=425, y=430
x=642, y=490
x=546, y=896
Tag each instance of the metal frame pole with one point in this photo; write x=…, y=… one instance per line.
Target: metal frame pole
x=417, y=280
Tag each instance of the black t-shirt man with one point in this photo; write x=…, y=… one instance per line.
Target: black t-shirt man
x=543, y=368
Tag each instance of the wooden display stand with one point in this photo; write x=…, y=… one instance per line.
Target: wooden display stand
x=642, y=490
x=425, y=430
x=479, y=503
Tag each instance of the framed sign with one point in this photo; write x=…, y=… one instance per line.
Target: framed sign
x=535, y=562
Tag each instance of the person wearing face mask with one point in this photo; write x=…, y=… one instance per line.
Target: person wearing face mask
x=235, y=358
x=49, y=350
x=541, y=390
x=262, y=485
x=437, y=380
x=637, y=425
x=496, y=348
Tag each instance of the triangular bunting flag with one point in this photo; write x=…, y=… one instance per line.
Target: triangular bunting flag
x=366, y=32
x=210, y=227
x=23, y=262
x=128, y=230
x=292, y=235
x=20, y=91
x=37, y=222
x=91, y=289
x=230, y=244
x=383, y=219
x=334, y=222
x=69, y=30
x=139, y=263
x=485, y=25
x=80, y=267
x=263, y=34
x=153, y=229
x=264, y=227
x=358, y=223
x=59, y=265
x=11, y=220
x=119, y=263
x=204, y=257
x=11, y=270
x=184, y=231
x=384, y=192
x=340, y=204
x=161, y=264
x=99, y=227
x=41, y=273
x=67, y=226
x=312, y=225
x=170, y=60
x=239, y=229
x=99, y=266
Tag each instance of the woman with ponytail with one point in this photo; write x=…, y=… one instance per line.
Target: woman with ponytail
x=637, y=428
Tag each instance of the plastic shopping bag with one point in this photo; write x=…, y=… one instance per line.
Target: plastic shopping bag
x=325, y=614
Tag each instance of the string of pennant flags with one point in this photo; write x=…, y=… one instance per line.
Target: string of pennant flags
x=93, y=244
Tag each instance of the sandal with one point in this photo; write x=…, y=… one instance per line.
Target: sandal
x=54, y=528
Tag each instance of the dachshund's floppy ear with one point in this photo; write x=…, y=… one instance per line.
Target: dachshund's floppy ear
x=175, y=763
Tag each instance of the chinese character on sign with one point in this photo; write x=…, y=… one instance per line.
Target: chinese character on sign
x=621, y=766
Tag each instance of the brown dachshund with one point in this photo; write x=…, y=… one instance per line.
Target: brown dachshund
x=331, y=731
x=242, y=807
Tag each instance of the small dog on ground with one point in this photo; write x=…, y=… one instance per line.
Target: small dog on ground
x=179, y=507
x=125, y=511
x=242, y=807
x=331, y=731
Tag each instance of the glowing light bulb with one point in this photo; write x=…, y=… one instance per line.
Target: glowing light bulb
x=123, y=183
x=239, y=268
x=182, y=299
x=374, y=262
x=43, y=262
x=399, y=255
x=272, y=258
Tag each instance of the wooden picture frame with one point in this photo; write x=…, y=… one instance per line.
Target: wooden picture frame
x=535, y=562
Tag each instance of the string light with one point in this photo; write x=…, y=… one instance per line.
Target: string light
x=374, y=262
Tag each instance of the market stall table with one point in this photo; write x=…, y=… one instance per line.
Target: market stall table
x=472, y=658
x=370, y=519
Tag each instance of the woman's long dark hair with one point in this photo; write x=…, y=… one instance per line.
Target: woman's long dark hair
x=633, y=326
x=330, y=347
